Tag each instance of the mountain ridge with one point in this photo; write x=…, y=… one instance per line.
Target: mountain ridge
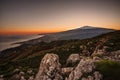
x=78, y=33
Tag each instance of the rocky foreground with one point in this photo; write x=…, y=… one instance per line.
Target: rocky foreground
x=77, y=68
x=50, y=69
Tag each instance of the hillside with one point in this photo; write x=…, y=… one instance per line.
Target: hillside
x=105, y=46
x=78, y=33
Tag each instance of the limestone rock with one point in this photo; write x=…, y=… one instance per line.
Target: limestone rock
x=16, y=77
x=17, y=70
x=82, y=47
x=22, y=73
x=50, y=68
x=98, y=52
x=96, y=58
x=30, y=71
x=88, y=78
x=1, y=77
x=97, y=75
x=31, y=78
x=18, y=74
x=22, y=78
x=73, y=58
x=67, y=70
x=85, y=66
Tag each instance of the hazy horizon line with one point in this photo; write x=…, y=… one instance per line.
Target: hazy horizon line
x=46, y=32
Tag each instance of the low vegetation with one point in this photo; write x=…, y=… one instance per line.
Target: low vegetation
x=109, y=69
x=29, y=56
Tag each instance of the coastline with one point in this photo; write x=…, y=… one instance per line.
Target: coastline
x=17, y=43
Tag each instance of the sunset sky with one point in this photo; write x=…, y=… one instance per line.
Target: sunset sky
x=44, y=16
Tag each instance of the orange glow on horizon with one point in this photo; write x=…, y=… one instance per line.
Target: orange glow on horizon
x=42, y=31
x=7, y=32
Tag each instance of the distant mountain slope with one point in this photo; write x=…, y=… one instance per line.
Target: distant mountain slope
x=79, y=33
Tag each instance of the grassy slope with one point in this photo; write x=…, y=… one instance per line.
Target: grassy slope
x=27, y=55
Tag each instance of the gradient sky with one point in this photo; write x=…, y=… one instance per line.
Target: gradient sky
x=41, y=16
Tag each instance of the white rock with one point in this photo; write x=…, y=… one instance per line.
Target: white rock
x=50, y=68
x=22, y=78
x=97, y=75
x=31, y=78
x=29, y=71
x=85, y=66
x=73, y=58
x=67, y=70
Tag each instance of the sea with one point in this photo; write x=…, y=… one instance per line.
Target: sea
x=7, y=41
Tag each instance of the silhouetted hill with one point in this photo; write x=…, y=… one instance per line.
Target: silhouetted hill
x=79, y=33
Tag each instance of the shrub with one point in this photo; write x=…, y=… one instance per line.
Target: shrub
x=109, y=69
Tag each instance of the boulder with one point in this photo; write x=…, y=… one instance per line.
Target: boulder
x=22, y=78
x=17, y=70
x=88, y=78
x=30, y=71
x=97, y=75
x=73, y=58
x=1, y=77
x=22, y=73
x=83, y=47
x=50, y=68
x=96, y=58
x=31, y=78
x=84, y=78
x=67, y=70
x=98, y=52
x=85, y=66
x=16, y=77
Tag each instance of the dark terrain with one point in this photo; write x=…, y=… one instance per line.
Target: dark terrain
x=28, y=56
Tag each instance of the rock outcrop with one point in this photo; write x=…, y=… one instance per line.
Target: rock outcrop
x=73, y=58
x=85, y=66
x=50, y=68
x=67, y=70
x=1, y=77
x=96, y=76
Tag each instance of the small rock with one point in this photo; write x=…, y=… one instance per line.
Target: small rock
x=29, y=71
x=73, y=58
x=15, y=77
x=22, y=78
x=1, y=77
x=21, y=73
x=67, y=70
x=95, y=58
x=90, y=78
x=31, y=78
x=84, y=78
x=16, y=70
x=97, y=75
